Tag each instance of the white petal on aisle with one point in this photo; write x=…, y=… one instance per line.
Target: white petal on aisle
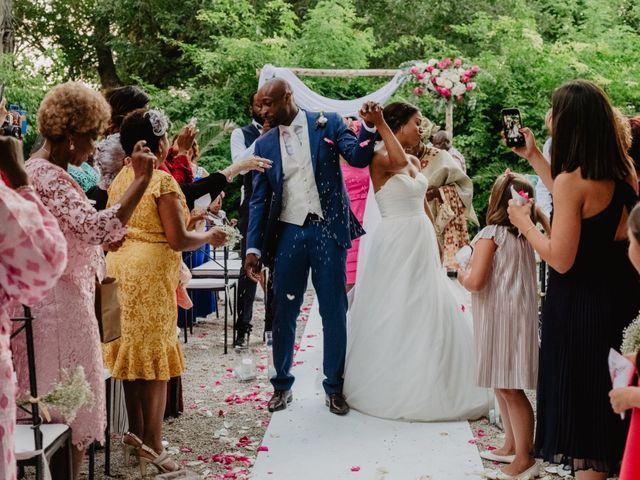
x=306, y=441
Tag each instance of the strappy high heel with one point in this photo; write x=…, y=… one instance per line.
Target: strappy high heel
x=128, y=449
x=159, y=460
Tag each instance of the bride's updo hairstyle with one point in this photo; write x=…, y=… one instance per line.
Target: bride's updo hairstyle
x=397, y=114
x=500, y=196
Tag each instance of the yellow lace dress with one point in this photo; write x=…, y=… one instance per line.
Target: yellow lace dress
x=147, y=270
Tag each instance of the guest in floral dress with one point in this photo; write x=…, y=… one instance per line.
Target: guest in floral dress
x=33, y=255
x=66, y=333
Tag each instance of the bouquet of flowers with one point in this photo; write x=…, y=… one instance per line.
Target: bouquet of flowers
x=444, y=79
x=631, y=337
x=233, y=235
x=67, y=396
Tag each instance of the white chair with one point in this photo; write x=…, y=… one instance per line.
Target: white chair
x=36, y=441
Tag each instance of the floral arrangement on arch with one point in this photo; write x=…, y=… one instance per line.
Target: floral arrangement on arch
x=444, y=79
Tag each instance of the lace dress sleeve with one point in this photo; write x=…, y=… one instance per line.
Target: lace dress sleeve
x=33, y=250
x=75, y=214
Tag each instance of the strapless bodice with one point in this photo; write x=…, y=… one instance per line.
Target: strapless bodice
x=402, y=196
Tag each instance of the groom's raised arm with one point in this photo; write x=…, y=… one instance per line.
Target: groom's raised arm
x=356, y=151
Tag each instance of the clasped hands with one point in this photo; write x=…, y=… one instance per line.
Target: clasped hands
x=371, y=114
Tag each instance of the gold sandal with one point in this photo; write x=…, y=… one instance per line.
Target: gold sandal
x=128, y=449
x=159, y=460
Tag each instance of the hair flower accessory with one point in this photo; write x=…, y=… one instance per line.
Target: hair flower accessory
x=322, y=121
x=159, y=122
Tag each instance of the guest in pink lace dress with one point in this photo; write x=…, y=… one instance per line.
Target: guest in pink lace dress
x=357, y=182
x=33, y=254
x=66, y=331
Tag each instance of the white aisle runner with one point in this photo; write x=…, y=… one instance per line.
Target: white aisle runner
x=307, y=442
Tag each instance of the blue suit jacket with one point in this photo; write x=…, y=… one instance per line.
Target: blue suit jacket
x=266, y=201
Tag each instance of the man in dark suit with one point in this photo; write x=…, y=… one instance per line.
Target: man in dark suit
x=299, y=220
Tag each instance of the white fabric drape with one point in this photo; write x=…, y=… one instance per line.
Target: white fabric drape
x=309, y=100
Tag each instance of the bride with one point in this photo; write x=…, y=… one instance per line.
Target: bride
x=410, y=351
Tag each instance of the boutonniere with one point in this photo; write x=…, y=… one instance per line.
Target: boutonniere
x=321, y=121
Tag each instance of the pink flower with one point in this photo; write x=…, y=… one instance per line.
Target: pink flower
x=475, y=69
x=429, y=69
x=457, y=62
x=447, y=61
x=413, y=70
x=470, y=86
x=523, y=194
x=465, y=79
x=329, y=141
x=445, y=92
x=243, y=442
x=362, y=145
x=460, y=99
x=434, y=80
x=420, y=76
x=468, y=73
x=442, y=65
x=418, y=91
x=355, y=469
x=462, y=307
x=262, y=448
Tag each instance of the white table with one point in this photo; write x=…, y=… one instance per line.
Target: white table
x=215, y=269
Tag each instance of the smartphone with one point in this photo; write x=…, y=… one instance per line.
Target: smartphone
x=511, y=125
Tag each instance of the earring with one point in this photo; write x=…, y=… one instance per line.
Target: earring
x=72, y=147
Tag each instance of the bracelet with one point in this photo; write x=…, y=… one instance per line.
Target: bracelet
x=25, y=188
x=528, y=230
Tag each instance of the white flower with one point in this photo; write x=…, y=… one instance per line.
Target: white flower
x=458, y=89
x=448, y=84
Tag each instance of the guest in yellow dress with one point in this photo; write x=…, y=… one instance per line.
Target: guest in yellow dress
x=147, y=268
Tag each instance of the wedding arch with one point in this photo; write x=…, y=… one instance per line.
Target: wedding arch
x=310, y=100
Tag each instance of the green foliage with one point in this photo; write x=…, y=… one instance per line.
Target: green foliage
x=200, y=59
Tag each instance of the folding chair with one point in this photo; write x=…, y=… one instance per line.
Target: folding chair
x=37, y=440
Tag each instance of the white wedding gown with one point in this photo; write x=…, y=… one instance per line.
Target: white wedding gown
x=410, y=350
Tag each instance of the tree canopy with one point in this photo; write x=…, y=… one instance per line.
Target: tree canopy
x=199, y=57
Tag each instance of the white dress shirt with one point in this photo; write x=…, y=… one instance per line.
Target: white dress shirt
x=239, y=150
x=299, y=191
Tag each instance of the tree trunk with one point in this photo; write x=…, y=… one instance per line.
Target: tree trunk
x=7, y=41
x=106, y=66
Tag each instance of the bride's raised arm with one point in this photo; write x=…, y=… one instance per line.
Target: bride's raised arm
x=396, y=159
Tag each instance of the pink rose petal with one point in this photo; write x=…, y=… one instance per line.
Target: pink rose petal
x=355, y=469
x=262, y=448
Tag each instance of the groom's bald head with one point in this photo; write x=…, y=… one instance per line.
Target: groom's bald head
x=276, y=100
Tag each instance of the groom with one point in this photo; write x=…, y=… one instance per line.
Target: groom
x=300, y=219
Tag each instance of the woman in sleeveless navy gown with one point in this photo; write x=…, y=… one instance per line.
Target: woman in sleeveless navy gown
x=593, y=291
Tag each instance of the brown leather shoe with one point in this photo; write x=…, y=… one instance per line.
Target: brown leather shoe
x=337, y=404
x=279, y=400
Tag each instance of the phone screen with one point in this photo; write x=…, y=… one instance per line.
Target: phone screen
x=512, y=124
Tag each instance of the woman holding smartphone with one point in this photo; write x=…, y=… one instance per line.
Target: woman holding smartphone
x=593, y=290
